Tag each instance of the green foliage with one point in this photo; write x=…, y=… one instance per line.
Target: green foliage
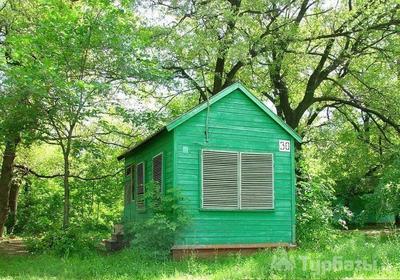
x=96, y=203
x=341, y=216
x=155, y=234
x=39, y=208
x=60, y=65
x=72, y=241
x=360, y=164
x=385, y=199
x=91, y=77
x=154, y=237
x=314, y=212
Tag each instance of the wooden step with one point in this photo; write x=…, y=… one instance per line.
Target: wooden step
x=118, y=229
x=13, y=247
x=117, y=241
x=114, y=245
x=117, y=237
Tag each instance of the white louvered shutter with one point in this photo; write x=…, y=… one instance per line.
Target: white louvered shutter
x=220, y=180
x=257, y=181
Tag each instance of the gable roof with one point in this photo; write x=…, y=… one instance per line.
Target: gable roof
x=178, y=121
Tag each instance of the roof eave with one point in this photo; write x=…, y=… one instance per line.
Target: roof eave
x=146, y=140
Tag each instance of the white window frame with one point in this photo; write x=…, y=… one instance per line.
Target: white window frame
x=239, y=172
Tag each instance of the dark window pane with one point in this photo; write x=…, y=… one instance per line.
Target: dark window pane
x=132, y=177
x=157, y=170
x=140, y=185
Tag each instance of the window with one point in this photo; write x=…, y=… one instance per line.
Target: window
x=220, y=179
x=132, y=186
x=129, y=191
x=233, y=180
x=140, y=201
x=256, y=183
x=157, y=170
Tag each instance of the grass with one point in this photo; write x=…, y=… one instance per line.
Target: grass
x=351, y=256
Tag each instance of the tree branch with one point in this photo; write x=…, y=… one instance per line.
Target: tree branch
x=184, y=74
x=362, y=108
x=27, y=170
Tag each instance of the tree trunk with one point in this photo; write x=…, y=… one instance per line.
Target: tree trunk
x=13, y=205
x=66, y=192
x=5, y=180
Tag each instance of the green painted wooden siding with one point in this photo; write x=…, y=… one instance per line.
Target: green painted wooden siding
x=161, y=144
x=237, y=124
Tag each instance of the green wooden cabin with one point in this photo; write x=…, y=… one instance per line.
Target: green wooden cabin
x=232, y=160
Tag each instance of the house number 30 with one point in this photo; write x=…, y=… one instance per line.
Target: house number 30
x=284, y=146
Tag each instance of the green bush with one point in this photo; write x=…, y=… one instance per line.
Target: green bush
x=155, y=234
x=73, y=240
x=384, y=201
x=314, y=213
x=342, y=215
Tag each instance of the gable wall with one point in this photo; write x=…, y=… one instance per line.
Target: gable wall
x=237, y=124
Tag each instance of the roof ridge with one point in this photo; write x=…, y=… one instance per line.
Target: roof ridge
x=197, y=109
